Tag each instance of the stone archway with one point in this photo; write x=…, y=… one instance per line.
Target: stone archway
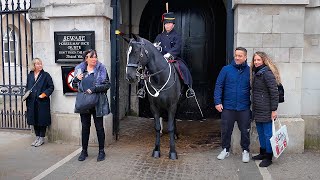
x=202, y=26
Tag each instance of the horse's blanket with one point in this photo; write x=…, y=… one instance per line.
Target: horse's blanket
x=183, y=71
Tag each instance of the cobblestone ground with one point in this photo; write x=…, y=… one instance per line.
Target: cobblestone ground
x=130, y=157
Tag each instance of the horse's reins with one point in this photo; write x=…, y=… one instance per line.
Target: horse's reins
x=144, y=76
x=157, y=92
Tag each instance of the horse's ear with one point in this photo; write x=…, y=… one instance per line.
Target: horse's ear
x=121, y=34
x=126, y=39
x=136, y=37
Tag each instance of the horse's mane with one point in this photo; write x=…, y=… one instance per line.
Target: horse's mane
x=150, y=46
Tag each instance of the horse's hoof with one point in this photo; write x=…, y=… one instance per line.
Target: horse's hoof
x=156, y=154
x=161, y=134
x=173, y=155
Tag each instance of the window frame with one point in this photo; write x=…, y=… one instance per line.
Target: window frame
x=11, y=49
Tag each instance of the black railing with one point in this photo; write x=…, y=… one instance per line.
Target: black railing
x=16, y=52
x=13, y=120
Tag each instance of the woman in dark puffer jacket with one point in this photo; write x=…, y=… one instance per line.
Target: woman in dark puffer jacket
x=265, y=99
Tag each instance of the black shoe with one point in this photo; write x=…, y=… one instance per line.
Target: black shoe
x=190, y=93
x=267, y=161
x=83, y=155
x=260, y=156
x=101, y=155
x=141, y=93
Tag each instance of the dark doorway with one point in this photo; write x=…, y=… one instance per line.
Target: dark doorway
x=202, y=25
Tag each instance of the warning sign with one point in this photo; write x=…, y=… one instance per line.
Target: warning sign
x=69, y=80
x=67, y=77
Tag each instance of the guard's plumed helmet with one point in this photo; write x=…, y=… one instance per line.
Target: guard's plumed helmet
x=168, y=18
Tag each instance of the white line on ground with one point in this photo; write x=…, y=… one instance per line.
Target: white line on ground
x=264, y=172
x=57, y=165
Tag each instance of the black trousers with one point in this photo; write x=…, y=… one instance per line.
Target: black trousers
x=86, y=123
x=40, y=130
x=228, y=117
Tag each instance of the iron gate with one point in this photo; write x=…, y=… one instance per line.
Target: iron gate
x=16, y=52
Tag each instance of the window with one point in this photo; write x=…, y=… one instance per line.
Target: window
x=9, y=46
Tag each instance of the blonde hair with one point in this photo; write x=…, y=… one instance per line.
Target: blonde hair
x=268, y=62
x=33, y=63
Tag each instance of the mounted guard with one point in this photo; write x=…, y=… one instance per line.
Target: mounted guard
x=169, y=44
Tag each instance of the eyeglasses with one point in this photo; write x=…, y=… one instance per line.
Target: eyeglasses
x=91, y=57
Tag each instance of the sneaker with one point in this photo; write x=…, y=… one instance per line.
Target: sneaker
x=39, y=142
x=245, y=156
x=223, y=154
x=35, y=141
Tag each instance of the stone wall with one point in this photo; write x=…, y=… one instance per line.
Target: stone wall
x=285, y=30
x=310, y=100
x=279, y=31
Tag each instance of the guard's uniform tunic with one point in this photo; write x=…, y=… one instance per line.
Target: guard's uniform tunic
x=171, y=43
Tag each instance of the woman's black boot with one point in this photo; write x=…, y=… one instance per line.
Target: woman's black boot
x=260, y=156
x=83, y=155
x=267, y=161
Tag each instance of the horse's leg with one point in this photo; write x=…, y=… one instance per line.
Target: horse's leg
x=171, y=129
x=161, y=125
x=176, y=134
x=156, y=114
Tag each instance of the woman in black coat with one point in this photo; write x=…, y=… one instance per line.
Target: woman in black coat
x=91, y=77
x=265, y=98
x=38, y=102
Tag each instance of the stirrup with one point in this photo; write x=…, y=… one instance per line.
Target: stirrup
x=141, y=93
x=190, y=93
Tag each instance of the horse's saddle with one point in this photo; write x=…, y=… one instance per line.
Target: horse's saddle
x=176, y=64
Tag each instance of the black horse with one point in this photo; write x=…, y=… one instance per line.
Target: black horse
x=162, y=82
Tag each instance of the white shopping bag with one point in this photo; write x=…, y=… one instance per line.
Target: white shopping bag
x=279, y=140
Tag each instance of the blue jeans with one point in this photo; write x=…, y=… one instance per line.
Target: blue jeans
x=265, y=132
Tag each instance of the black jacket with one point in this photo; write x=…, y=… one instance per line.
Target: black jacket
x=265, y=95
x=40, y=116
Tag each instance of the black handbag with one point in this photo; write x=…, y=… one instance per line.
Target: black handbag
x=85, y=101
x=281, y=93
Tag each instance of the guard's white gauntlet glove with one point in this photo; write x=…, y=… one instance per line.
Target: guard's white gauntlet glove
x=168, y=56
x=157, y=45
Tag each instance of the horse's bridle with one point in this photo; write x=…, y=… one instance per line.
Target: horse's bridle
x=142, y=49
x=139, y=66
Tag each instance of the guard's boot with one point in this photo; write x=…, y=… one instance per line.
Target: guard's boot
x=260, y=156
x=267, y=161
x=83, y=155
x=141, y=93
x=190, y=93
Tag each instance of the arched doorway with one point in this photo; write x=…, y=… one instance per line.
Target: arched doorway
x=202, y=25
